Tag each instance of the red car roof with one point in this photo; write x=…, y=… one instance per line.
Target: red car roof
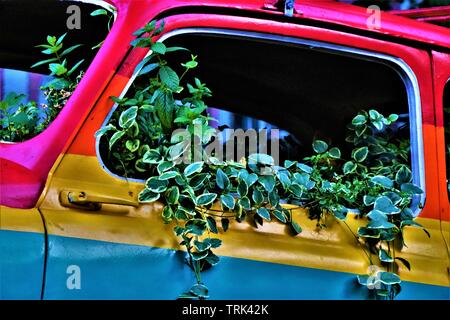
x=317, y=10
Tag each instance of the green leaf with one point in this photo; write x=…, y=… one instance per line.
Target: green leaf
x=206, y=199
x=320, y=146
x=251, y=179
x=57, y=69
x=128, y=117
x=158, y=47
x=384, y=256
x=261, y=158
x=167, y=214
x=363, y=279
x=222, y=180
x=257, y=196
x=382, y=181
x=349, y=167
x=360, y=154
x=392, y=118
x=51, y=40
x=190, y=64
x=227, y=201
x=147, y=196
x=132, y=145
x=44, y=62
x=173, y=194
x=403, y=175
x=368, y=233
x=199, y=290
x=296, y=227
x=379, y=220
x=99, y=12
x=340, y=213
x=368, y=200
x=195, y=167
x=212, y=259
x=411, y=188
x=148, y=68
x=197, y=256
x=115, y=137
x=335, y=153
x=164, y=166
x=173, y=49
x=152, y=157
x=405, y=262
x=168, y=175
x=70, y=49
x=212, y=224
x=263, y=213
x=104, y=129
x=303, y=167
x=296, y=189
x=201, y=246
x=359, y=120
x=195, y=227
x=169, y=77
x=215, y=243
x=280, y=215
x=225, y=224
x=156, y=185
x=385, y=205
x=245, y=203
x=242, y=188
x=274, y=198
x=388, y=278
x=414, y=224
x=268, y=182
x=374, y=115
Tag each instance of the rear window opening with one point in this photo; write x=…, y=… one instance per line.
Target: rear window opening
x=39, y=19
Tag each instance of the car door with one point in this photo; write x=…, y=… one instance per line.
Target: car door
x=25, y=161
x=103, y=244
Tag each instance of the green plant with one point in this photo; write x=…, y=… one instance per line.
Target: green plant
x=107, y=13
x=21, y=121
x=201, y=193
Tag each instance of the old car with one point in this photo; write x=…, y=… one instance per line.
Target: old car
x=306, y=69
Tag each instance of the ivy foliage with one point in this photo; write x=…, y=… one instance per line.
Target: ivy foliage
x=202, y=193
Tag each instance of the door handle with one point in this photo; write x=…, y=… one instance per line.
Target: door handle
x=91, y=202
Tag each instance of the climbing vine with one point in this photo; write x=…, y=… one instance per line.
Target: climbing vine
x=161, y=132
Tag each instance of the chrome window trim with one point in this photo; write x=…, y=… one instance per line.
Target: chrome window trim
x=400, y=66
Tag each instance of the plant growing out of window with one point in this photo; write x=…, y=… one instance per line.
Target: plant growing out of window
x=21, y=121
x=202, y=193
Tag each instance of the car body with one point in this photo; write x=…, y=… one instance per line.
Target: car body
x=124, y=251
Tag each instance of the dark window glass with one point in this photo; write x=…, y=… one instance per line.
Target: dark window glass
x=447, y=129
x=23, y=26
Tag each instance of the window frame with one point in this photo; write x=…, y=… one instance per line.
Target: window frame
x=397, y=64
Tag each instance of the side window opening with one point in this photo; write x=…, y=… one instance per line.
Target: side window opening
x=26, y=107
x=306, y=94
